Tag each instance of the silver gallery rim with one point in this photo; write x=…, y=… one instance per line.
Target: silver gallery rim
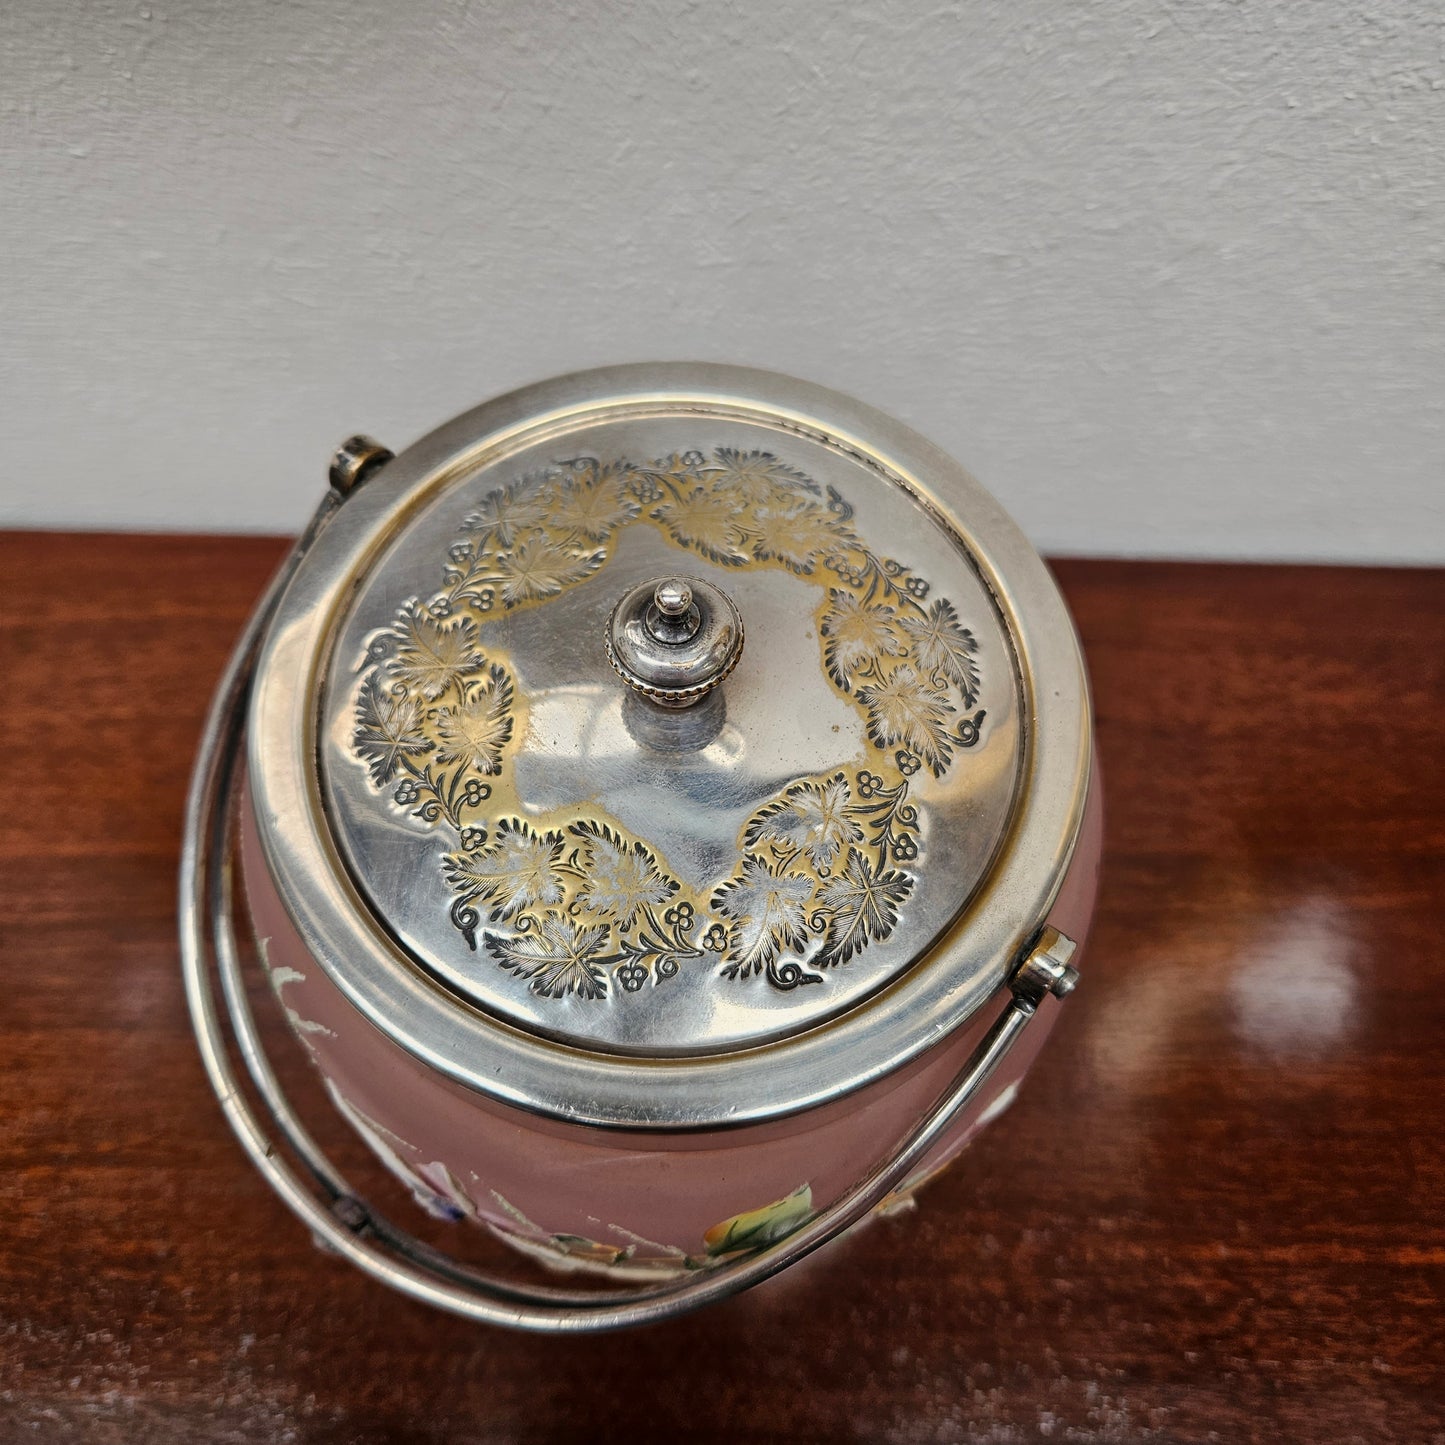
x=965, y=965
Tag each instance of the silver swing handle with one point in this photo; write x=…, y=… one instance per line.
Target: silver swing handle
x=321, y=1197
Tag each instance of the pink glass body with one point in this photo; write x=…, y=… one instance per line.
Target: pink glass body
x=625, y=1200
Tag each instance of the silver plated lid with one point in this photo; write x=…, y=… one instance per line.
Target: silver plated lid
x=669, y=745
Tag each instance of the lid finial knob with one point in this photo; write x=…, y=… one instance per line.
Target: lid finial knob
x=674, y=639
x=673, y=597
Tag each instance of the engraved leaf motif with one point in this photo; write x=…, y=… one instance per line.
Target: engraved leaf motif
x=707, y=522
x=518, y=870
x=942, y=644
x=864, y=904
x=506, y=513
x=594, y=505
x=621, y=877
x=433, y=654
x=389, y=727
x=555, y=955
x=768, y=912
x=475, y=733
x=906, y=708
x=796, y=537
x=540, y=566
x=812, y=818
x=856, y=633
x=758, y=479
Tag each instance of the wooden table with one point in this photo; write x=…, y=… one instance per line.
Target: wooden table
x=1217, y=1211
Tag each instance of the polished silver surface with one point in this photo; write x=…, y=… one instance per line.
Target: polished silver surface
x=673, y=640
x=767, y=993
x=673, y=599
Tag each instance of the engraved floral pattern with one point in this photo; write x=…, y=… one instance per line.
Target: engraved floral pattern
x=556, y=955
x=474, y=731
x=388, y=729
x=759, y=480
x=859, y=903
x=518, y=871
x=433, y=655
x=621, y=877
x=768, y=909
x=812, y=818
x=904, y=707
x=945, y=649
x=707, y=521
x=594, y=505
x=857, y=635
x=579, y=906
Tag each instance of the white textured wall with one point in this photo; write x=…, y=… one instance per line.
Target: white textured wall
x=1170, y=277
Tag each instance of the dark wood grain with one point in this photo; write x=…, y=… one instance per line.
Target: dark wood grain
x=1217, y=1212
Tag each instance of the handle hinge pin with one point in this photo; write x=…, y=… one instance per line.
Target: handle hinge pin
x=1045, y=969
x=355, y=460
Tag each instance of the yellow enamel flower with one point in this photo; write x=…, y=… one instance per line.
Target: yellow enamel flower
x=755, y=1228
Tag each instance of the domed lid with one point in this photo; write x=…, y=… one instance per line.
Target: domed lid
x=669, y=744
